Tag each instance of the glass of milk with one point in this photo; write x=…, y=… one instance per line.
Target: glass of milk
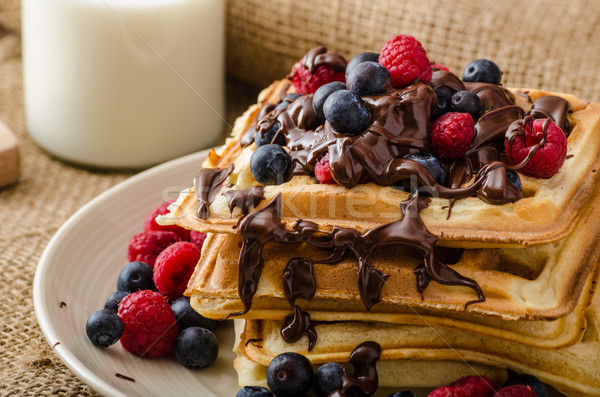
x=123, y=83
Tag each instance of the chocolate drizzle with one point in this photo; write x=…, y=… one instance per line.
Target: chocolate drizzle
x=364, y=381
x=321, y=56
x=295, y=325
x=208, y=184
x=244, y=199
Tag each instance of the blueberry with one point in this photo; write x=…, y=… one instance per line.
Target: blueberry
x=322, y=94
x=482, y=71
x=113, y=300
x=444, y=103
x=188, y=317
x=513, y=177
x=290, y=374
x=404, y=393
x=328, y=377
x=104, y=328
x=529, y=380
x=369, y=78
x=467, y=102
x=196, y=347
x=292, y=97
x=346, y=112
x=282, y=105
x=254, y=391
x=270, y=164
x=135, y=276
x=264, y=138
x=360, y=58
x=432, y=163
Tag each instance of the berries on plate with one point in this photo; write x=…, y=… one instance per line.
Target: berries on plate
x=135, y=276
x=528, y=380
x=290, y=374
x=482, y=71
x=369, y=78
x=548, y=159
x=113, y=300
x=360, y=58
x=346, y=112
x=444, y=102
x=323, y=172
x=306, y=81
x=149, y=327
x=406, y=59
x=187, y=317
x=196, y=347
x=328, y=377
x=146, y=246
x=452, y=134
x=515, y=391
x=322, y=94
x=254, y=391
x=467, y=102
x=174, y=267
x=270, y=164
x=163, y=209
x=433, y=165
x=104, y=328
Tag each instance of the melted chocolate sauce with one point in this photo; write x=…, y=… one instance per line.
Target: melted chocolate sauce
x=295, y=325
x=244, y=199
x=553, y=107
x=208, y=184
x=364, y=381
x=321, y=56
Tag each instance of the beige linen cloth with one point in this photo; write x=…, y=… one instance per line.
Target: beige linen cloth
x=539, y=44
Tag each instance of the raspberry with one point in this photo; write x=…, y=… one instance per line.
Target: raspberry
x=323, y=172
x=150, y=222
x=516, y=391
x=469, y=386
x=445, y=391
x=145, y=247
x=306, y=82
x=149, y=327
x=452, y=134
x=174, y=267
x=548, y=159
x=197, y=238
x=439, y=66
x=406, y=59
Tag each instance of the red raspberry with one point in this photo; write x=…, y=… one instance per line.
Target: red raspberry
x=174, y=267
x=516, y=391
x=323, y=172
x=452, y=134
x=445, y=391
x=475, y=386
x=548, y=159
x=439, y=66
x=149, y=325
x=150, y=222
x=146, y=246
x=306, y=82
x=197, y=238
x=406, y=59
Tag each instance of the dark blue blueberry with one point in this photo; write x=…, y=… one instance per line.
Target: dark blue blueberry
x=254, y=391
x=113, y=300
x=360, y=58
x=467, y=102
x=270, y=164
x=346, y=112
x=369, y=78
x=290, y=375
x=404, y=393
x=135, y=276
x=482, y=71
x=513, y=177
x=266, y=137
x=196, y=347
x=282, y=105
x=444, y=102
x=322, y=94
x=328, y=377
x=104, y=328
x=292, y=97
x=432, y=163
x=529, y=380
x=188, y=317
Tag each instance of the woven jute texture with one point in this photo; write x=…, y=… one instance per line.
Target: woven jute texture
x=549, y=44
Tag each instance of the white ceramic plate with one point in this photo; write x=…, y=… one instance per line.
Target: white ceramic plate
x=79, y=268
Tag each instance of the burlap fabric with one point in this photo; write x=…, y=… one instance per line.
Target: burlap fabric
x=549, y=44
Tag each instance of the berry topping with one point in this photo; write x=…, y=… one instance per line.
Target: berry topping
x=515, y=391
x=406, y=59
x=444, y=102
x=360, y=58
x=162, y=209
x=266, y=137
x=323, y=172
x=196, y=347
x=290, y=374
x=328, y=377
x=452, y=134
x=482, y=71
x=548, y=158
x=187, y=317
x=104, y=328
x=197, y=238
x=467, y=102
x=149, y=327
x=146, y=246
x=316, y=68
x=439, y=66
x=469, y=386
x=369, y=78
x=174, y=267
x=254, y=391
x=113, y=300
x=322, y=94
x=433, y=165
x=346, y=112
x=270, y=164
x=513, y=177
x=528, y=380
x=135, y=276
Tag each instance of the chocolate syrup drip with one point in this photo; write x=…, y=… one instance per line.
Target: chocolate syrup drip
x=516, y=129
x=364, y=381
x=553, y=107
x=321, y=56
x=299, y=280
x=441, y=78
x=245, y=199
x=295, y=325
x=248, y=137
x=208, y=184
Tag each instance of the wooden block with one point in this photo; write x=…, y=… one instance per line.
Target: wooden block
x=9, y=156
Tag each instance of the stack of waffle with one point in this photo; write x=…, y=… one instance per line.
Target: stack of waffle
x=515, y=288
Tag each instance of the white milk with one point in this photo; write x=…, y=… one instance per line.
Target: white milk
x=123, y=83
